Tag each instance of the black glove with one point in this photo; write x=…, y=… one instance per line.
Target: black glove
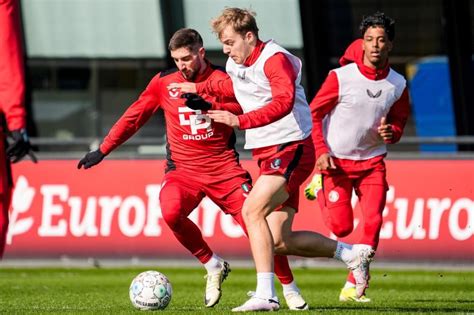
x=20, y=146
x=195, y=101
x=90, y=159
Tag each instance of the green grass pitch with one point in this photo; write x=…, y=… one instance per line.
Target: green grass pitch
x=105, y=291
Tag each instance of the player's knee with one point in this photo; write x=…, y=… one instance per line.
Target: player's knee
x=342, y=230
x=281, y=248
x=252, y=215
x=282, y=243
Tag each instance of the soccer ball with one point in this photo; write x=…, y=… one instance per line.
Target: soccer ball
x=150, y=290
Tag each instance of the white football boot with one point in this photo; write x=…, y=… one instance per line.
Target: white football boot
x=214, y=283
x=359, y=264
x=256, y=304
x=296, y=302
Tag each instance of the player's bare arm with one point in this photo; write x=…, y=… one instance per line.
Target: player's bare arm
x=224, y=117
x=385, y=130
x=325, y=162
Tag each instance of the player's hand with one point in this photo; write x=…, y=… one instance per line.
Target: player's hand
x=90, y=159
x=20, y=146
x=196, y=102
x=385, y=130
x=325, y=162
x=224, y=117
x=184, y=87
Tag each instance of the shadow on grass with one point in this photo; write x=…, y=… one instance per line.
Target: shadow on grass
x=453, y=301
x=401, y=309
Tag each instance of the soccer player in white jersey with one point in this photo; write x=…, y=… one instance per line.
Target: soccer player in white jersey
x=201, y=158
x=360, y=107
x=265, y=79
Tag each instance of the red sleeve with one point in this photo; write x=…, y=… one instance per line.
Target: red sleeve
x=133, y=118
x=323, y=103
x=398, y=115
x=11, y=66
x=281, y=75
x=216, y=87
x=229, y=104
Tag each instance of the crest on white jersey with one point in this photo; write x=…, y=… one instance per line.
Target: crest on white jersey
x=241, y=75
x=372, y=95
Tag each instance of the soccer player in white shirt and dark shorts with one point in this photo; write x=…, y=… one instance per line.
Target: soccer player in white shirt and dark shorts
x=360, y=107
x=265, y=79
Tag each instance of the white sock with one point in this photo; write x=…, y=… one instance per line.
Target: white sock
x=343, y=251
x=214, y=264
x=290, y=288
x=349, y=285
x=265, y=285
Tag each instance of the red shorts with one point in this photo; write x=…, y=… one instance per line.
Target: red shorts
x=294, y=160
x=227, y=190
x=338, y=183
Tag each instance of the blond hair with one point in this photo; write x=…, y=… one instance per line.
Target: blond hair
x=241, y=20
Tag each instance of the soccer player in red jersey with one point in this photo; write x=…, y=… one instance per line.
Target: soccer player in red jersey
x=265, y=79
x=360, y=107
x=12, y=109
x=201, y=159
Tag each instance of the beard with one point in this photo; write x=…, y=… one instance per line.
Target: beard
x=191, y=74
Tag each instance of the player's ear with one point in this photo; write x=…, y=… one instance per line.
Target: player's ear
x=202, y=52
x=249, y=36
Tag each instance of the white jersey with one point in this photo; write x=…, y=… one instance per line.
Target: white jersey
x=252, y=91
x=350, y=129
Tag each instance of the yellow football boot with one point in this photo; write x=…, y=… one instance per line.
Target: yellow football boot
x=349, y=295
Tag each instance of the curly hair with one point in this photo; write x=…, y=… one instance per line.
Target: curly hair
x=381, y=20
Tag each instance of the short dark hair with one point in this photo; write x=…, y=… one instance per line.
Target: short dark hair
x=381, y=20
x=185, y=38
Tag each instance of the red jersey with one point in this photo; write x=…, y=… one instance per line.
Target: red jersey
x=11, y=66
x=194, y=142
x=12, y=89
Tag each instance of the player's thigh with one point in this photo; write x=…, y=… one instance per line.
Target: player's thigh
x=230, y=190
x=179, y=195
x=268, y=192
x=337, y=192
x=294, y=161
x=233, y=202
x=301, y=166
x=372, y=191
